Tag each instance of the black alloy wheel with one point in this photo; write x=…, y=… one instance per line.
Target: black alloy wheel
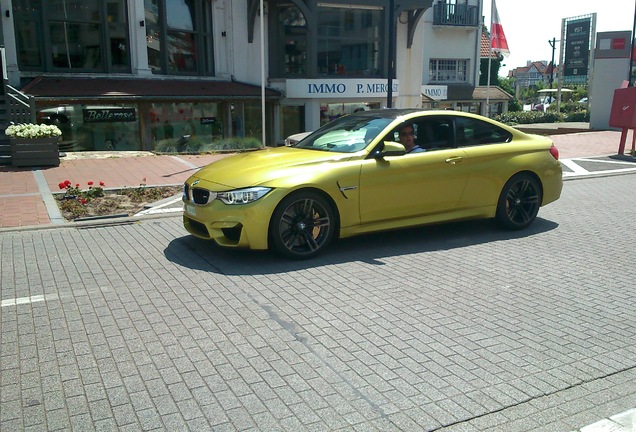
x=519, y=202
x=302, y=225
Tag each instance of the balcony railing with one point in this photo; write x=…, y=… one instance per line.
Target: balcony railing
x=455, y=15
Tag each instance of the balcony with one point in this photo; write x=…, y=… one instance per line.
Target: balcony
x=458, y=15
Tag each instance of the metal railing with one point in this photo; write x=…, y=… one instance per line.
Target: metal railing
x=20, y=107
x=455, y=15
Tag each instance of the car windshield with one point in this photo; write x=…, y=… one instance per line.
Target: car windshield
x=347, y=134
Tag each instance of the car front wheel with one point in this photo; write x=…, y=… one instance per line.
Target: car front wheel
x=519, y=202
x=302, y=225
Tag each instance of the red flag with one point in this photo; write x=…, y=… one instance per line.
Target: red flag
x=498, y=40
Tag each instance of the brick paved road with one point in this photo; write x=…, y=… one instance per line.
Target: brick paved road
x=458, y=328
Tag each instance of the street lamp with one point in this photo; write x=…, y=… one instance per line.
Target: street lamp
x=553, y=45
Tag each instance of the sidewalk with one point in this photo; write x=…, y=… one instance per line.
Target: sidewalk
x=26, y=195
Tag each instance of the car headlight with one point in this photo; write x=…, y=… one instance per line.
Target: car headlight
x=243, y=196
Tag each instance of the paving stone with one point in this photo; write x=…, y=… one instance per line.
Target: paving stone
x=150, y=328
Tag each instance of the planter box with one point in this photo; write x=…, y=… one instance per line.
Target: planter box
x=35, y=152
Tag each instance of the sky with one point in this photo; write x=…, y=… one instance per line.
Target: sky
x=529, y=26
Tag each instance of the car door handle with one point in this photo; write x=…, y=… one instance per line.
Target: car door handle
x=453, y=160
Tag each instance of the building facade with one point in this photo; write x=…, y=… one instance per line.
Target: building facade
x=533, y=74
x=145, y=74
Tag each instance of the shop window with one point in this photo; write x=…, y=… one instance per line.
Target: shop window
x=179, y=37
x=78, y=35
x=292, y=120
x=332, y=111
x=177, y=126
x=95, y=127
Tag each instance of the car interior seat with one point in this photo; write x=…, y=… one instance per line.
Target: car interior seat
x=425, y=137
x=441, y=137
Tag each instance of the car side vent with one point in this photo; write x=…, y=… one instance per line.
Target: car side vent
x=200, y=196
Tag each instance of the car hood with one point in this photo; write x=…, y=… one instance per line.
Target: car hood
x=258, y=167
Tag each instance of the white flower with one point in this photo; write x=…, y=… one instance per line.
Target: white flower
x=30, y=130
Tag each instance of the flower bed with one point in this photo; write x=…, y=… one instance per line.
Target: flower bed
x=76, y=203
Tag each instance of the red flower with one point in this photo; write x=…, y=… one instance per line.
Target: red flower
x=67, y=182
x=84, y=201
x=62, y=185
x=90, y=183
x=102, y=184
x=77, y=185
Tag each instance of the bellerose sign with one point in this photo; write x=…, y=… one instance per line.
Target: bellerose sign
x=341, y=88
x=108, y=115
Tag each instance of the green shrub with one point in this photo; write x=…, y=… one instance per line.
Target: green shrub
x=579, y=116
x=233, y=144
x=529, y=117
x=201, y=145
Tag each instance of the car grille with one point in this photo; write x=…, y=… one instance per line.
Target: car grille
x=200, y=196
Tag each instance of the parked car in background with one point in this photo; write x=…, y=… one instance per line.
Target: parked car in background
x=543, y=103
x=352, y=176
x=295, y=138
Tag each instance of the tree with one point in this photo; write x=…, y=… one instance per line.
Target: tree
x=495, y=65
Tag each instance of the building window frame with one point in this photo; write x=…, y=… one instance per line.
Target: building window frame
x=352, y=46
x=109, y=53
x=358, y=37
x=180, y=44
x=448, y=70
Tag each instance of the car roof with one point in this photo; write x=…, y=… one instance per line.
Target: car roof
x=387, y=112
x=394, y=113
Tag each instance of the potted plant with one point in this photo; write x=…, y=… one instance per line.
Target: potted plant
x=34, y=144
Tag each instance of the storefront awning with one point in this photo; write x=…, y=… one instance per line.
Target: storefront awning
x=45, y=88
x=493, y=93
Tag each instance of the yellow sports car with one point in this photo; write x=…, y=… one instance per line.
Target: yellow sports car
x=353, y=176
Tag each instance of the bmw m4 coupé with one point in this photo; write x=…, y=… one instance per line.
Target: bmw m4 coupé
x=353, y=176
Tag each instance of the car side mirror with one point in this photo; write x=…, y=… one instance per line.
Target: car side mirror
x=391, y=148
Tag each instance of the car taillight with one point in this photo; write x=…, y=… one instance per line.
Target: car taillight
x=554, y=152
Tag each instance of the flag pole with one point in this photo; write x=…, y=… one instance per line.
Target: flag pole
x=492, y=9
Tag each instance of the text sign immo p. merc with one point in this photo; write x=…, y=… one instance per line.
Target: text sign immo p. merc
x=340, y=88
x=435, y=92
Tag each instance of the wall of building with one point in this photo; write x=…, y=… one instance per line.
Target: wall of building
x=237, y=59
x=409, y=65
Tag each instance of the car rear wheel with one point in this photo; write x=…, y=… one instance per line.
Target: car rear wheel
x=302, y=225
x=519, y=202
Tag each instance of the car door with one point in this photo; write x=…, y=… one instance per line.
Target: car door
x=486, y=147
x=412, y=185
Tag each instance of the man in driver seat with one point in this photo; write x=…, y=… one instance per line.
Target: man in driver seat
x=407, y=139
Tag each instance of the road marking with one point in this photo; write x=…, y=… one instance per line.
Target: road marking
x=159, y=208
x=579, y=171
x=623, y=422
x=27, y=300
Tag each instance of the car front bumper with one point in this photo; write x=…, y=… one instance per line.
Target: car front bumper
x=240, y=226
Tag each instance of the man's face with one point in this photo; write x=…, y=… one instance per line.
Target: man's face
x=407, y=137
